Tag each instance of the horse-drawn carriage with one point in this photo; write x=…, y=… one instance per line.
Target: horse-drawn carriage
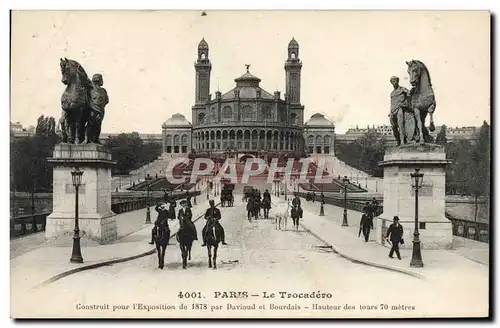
x=226, y=194
x=226, y=198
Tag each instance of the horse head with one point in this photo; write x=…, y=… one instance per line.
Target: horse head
x=419, y=74
x=72, y=72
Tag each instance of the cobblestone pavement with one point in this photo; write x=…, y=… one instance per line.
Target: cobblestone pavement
x=258, y=259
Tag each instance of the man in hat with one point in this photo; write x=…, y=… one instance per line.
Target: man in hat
x=213, y=212
x=186, y=215
x=366, y=223
x=395, y=232
x=163, y=215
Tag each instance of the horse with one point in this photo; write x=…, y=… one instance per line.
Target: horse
x=422, y=100
x=212, y=238
x=296, y=214
x=250, y=208
x=266, y=206
x=161, y=241
x=185, y=239
x=282, y=218
x=75, y=101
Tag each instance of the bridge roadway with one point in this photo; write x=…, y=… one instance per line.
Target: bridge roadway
x=258, y=258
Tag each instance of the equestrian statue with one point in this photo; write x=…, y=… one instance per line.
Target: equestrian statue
x=82, y=104
x=409, y=108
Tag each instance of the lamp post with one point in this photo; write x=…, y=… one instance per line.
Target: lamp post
x=285, y=184
x=148, y=213
x=416, y=256
x=76, y=254
x=321, y=207
x=208, y=189
x=345, y=180
x=194, y=197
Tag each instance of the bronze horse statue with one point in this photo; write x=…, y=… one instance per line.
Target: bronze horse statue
x=422, y=101
x=75, y=101
x=82, y=102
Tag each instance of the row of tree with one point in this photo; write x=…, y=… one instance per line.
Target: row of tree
x=364, y=153
x=468, y=174
x=30, y=171
x=130, y=152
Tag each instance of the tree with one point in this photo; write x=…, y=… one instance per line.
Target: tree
x=441, y=136
x=130, y=152
x=479, y=182
x=365, y=153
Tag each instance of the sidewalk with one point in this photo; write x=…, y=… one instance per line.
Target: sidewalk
x=345, y=241
x=46, y=261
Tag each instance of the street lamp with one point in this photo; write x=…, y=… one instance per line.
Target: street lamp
x=148, y=213
x=416, y=256
x=285, y=183
x=76, y=255
x=345, y=180
x=321, y=207
x=194, y=197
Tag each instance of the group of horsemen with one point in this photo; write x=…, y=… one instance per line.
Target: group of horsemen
x=166, y=211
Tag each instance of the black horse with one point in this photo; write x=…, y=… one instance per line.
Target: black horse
x=252, y=209
x=161, y=240
x=185, y=237
x=266, y=206
x=212, y=237
x=296, y=214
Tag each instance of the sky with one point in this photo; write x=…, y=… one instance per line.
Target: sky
x=146, y=59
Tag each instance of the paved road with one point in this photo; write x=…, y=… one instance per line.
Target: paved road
x=258, y=259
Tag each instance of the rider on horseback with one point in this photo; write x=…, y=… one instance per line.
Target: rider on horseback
x=296, y=204
x=267, y=195
x=185, y=215
x=162, y=220
x=213, y=213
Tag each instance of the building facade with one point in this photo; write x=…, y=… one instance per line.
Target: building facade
x=246, y=118
x=320, y=135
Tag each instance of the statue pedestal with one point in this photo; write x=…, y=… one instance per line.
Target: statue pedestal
x=96, y=220
x=399, y=196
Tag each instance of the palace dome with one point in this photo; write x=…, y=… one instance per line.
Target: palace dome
x=319, y=119
x=177, y=120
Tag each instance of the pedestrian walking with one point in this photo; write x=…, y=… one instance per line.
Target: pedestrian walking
x=395, y=232
x=365, y=225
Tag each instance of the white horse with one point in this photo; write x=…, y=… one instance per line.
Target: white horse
x=282, y=218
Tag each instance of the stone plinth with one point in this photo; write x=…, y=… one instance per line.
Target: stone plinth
x=96, y=220
x=399, y=196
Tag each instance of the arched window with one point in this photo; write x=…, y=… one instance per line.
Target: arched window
x=319, y=140
x=203, y=55
x=326, y=140
x=227, y=113
x=310, y=140
x=293, y=55
x=184, y=140
x=293, y=118
x=176, y=140
x=247, y=113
